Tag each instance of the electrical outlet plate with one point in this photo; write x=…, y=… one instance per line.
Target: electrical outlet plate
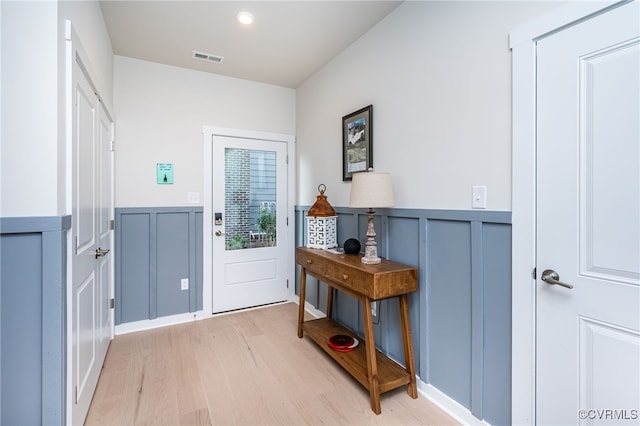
x=184, y=284
x=375, y=310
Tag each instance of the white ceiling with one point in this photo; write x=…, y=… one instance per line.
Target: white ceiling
x=289, y=41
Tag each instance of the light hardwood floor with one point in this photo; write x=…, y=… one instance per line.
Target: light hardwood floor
x=245, y=368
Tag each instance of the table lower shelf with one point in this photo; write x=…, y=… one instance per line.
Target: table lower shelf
x=391, y=375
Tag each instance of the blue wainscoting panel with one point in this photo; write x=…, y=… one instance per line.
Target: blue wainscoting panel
x=33, y=281
x=21, y=328
x=196, y=302
x=347, y=310
x=347, y=228
x=155, y=249
x=461, y=313
x=54, y=320
x=496, y=389
x=449, y=308
x=172, y=250
x=403, y=245
x=133, y=267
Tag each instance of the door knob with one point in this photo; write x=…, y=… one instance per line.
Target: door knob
x=551, y=277
x=219, y=233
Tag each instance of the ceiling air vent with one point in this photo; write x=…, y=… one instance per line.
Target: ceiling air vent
x=207, y=57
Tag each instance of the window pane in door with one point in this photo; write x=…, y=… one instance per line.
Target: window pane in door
x=250, y=198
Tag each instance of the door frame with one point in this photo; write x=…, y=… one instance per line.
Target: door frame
x=209, y=133
x=522, y=42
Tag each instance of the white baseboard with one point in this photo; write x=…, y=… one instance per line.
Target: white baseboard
x=448, y=405
x=308, y=307
x=132, y=327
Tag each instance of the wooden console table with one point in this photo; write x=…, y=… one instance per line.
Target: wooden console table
x=368, y=283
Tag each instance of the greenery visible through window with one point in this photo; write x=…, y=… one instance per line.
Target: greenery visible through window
x=250, y=194
x=237, y=242
x=267, y=223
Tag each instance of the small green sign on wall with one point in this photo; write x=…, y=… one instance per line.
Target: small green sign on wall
x=164, y=173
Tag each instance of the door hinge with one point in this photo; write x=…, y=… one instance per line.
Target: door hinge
x=112, y=303
x=113, y=145
x=287, y=283
x=112, y=224
x=287, y=221
x=287, y=158
x=75, y=392
x=534, y=274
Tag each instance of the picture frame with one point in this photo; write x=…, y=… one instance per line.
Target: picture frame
x=357, y=138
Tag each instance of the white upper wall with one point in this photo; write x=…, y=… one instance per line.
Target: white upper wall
x=160, y=111
x=439, y=77
x=28, y=172
x=33, y=148
x=437, y=73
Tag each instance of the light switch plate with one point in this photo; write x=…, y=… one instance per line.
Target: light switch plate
x=193, y=197
x=479, y=194
x=184, y=284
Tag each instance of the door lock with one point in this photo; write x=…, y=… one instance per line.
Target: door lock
x=219, y=233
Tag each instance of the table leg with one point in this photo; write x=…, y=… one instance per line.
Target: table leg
x=303, y=290
x=372, y=363
x=329, y=301
x=412, y=389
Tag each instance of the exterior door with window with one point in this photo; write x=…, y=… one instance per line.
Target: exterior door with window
x=249, y=241
x=588, y=226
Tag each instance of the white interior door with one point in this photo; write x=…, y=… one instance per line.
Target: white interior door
x=588, y=227
x=250, y=243
x=91, y=236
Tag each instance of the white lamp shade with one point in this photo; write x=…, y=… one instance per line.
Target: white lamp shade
x=371, y=189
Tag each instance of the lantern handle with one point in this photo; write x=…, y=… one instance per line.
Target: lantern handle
x=324, y=188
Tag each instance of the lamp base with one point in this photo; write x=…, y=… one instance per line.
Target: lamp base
x=370, y=247
x=370, y=258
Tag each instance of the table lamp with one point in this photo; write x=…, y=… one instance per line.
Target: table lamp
x=369, y=190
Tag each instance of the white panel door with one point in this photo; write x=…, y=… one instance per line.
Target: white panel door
x=91, y=239
x=250, y=244
x=588, y=220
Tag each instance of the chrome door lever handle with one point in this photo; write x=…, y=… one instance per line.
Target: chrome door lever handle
x=551, y=277
x=101, y=252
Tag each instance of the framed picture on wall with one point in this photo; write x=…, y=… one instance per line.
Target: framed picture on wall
x=357, y=154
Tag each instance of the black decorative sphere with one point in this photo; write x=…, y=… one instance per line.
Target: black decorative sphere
x=352, y=246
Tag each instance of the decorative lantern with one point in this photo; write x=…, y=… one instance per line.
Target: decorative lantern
x=322, y=223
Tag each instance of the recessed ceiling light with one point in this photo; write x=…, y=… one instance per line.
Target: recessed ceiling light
x=245, y=18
